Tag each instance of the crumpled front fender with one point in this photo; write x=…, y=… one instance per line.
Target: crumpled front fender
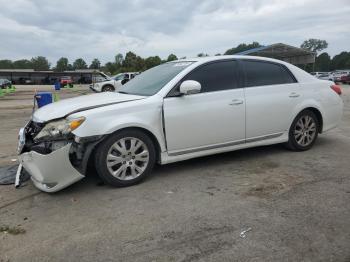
x=51, y=172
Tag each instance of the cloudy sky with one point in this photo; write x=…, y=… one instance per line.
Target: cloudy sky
x=91, y=28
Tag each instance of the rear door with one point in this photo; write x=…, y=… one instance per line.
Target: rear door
x=271, y=93
x=213, y=118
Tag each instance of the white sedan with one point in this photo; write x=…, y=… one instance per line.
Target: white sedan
x=177, y=111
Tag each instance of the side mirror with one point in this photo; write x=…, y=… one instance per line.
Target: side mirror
x=190, y=87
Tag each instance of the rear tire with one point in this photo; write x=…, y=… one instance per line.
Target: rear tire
x=125, y=158
x=303, y=131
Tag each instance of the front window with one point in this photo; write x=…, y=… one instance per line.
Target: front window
x=215, y=76
x=153, y=80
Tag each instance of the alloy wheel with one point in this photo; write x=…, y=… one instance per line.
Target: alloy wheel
x=127, y=158
x=305, y=130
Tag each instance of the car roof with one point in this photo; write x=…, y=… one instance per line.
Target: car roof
x=298, y=73
x=224, y=57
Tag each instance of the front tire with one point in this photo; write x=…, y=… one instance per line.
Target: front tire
x=108, y=88
x=303, y=131
x=125, y=158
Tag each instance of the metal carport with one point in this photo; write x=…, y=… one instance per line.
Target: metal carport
x=287, y=53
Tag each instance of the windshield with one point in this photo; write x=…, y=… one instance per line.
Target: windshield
x=118, y=77
x=151, y=81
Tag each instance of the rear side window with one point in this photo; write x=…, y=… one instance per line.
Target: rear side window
x=259, y=73
x=215, y=76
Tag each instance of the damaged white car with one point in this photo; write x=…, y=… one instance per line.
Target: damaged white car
x=177, y=111
x=113, y=83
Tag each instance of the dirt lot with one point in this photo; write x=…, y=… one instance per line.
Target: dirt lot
x=296, y=206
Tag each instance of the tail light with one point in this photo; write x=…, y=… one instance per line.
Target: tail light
x=336, y=88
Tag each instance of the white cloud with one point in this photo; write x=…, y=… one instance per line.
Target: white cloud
x=88, y=28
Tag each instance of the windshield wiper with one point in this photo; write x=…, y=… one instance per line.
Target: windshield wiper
x=123, y=92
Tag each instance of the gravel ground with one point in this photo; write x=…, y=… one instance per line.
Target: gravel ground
x=295, y=206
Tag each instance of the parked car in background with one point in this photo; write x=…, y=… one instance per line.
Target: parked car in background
x=323, y=75
x=317, y=74
x=113, y=83
x=66, y=81
x=5, y=83
x=326, y=76
x=177, y=111
x=25, y=81
x=345, y=79
x=338, y=74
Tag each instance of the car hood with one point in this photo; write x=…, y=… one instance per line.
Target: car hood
x=72, y=105
x=109, y=81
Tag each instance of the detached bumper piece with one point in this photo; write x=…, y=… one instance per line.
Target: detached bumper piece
x=50, y=172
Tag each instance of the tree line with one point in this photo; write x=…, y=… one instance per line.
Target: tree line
x=132, y=62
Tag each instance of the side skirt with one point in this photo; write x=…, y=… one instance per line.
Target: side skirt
x=174, y=156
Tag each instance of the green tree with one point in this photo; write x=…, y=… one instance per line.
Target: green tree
x=40, y=63
x=110, y=68
x=152, y=61
x=118, y=60
x=323, y=62
x=171, y=57
x=79, y=64
x=95, y=64
x=62, y=64
x=341, y=61
x=202, y=55
x=5, y=64
x=22, y=64
x=132, y=62
x=242, y=47
x=314, y=45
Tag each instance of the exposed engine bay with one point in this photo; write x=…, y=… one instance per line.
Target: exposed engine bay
x=79, y=152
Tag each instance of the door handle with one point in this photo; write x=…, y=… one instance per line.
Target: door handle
x=235, y=102
x=294, y=95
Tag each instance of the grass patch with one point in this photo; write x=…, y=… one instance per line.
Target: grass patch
x=12, y=230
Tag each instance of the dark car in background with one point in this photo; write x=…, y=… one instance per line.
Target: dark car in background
x=4, y=83
x=25, y=81
x=345, y=79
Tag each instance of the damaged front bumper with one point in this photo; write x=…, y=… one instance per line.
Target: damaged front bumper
x=51, y=172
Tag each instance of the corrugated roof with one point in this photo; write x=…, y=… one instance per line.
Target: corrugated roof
x=80, y=71
x=288, y=53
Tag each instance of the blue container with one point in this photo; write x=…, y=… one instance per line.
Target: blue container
x=43, y=98
x=57, y=86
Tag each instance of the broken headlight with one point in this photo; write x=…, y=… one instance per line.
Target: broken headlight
x=59, y=129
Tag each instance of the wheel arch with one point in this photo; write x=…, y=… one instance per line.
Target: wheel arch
x=145, y=131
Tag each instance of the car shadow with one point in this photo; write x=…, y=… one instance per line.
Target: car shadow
x=92, y=180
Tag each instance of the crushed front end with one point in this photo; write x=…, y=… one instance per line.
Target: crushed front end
x=52, y=155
